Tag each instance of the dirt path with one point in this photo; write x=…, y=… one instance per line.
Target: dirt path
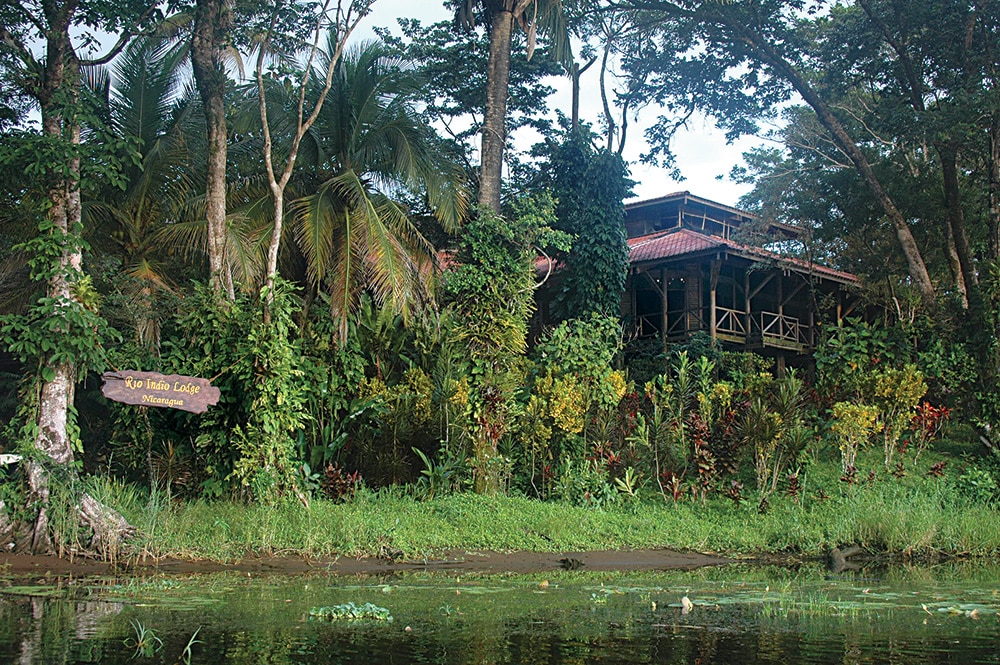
x=487, y=562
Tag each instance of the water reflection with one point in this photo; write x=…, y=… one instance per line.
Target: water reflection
x=741, y=614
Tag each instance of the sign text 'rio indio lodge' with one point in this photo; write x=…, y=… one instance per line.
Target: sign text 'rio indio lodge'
x=170, y=391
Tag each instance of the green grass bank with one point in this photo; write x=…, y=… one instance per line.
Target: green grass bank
x=917, y=514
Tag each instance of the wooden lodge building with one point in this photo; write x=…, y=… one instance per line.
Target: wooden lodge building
x=690, y=272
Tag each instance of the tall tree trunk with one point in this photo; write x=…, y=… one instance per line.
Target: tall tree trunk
x=956, y=217
x=843, y=140
x=211, y=28
x=57, y=92
x=494, y=118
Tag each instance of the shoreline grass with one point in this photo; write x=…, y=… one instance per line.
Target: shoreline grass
x=912, y=516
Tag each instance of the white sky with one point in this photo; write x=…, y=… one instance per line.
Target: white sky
x=702, y=153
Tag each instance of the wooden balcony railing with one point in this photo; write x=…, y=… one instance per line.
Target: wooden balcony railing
x=776, y=327
x=730, y=322
x=766, y=328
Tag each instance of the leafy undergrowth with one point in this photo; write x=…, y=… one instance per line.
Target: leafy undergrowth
x=921, y=512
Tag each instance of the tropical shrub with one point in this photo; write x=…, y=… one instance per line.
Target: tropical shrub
x=895, y=394
x=926, y=425
x=853, y=425
x=586, y=484
x=570, y=408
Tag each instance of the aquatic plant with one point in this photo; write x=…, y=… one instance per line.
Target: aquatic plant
x=350, y=612
x=145, y=642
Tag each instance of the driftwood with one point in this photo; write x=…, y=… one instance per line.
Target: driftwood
x=838, y=559
x=110, y=529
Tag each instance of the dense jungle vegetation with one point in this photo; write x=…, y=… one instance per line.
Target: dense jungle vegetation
x=243, y=192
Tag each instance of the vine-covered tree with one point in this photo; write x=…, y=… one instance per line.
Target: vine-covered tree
x=590, y=187
x=60, y=333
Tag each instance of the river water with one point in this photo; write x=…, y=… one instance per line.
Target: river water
x=727, y=614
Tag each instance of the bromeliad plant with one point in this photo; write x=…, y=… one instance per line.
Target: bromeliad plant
x=684, y=410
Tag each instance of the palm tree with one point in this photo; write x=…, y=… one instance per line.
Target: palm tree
x=145, y=108
x=533, y=16
x=366, y=151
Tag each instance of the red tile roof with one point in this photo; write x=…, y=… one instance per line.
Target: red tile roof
x=677, y=243
x=668, y=244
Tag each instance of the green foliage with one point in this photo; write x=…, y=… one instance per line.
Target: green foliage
x=246, y=443
x=849, y=351
x=57, y=330
x=589, y=187
x=333, y=372
x=586, y=485
x=977, y=485
x=570, y=404
x=50, y=162
x=772, y=424
x=453, y=65
x=437, y=478
x=896, y=394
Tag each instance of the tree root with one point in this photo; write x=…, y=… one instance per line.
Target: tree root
x=7, y=534
x=110, y=529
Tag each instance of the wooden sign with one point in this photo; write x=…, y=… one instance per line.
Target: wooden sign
x=168, y=391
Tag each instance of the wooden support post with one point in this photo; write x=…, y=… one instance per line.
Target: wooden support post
x=781, y=299
x=746, y=303
x=712, y=315
x=693, y=318
x=664, y=319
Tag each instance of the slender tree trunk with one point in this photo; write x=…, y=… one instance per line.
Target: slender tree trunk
x=494, y=119
x=211, y=27
x=345, y=20
x=574, y=77
x=955, y=265
x=956, y=217
x=994, y=189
